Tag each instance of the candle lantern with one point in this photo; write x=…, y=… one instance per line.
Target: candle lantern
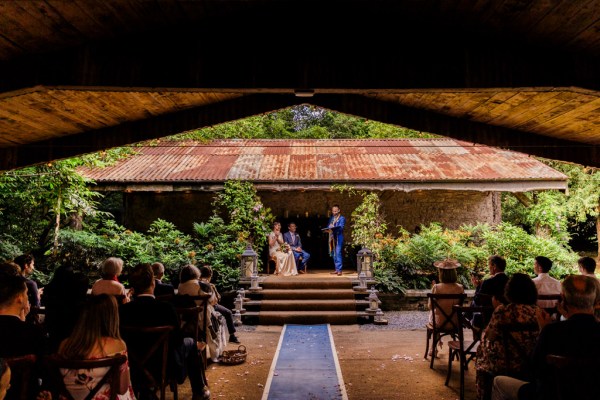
x=379, y=320
x=237, y=318
x=254, y=282
x=373, y=301
x=239, y=303
x=364, y=262
x=249, y=262
x=362, y=280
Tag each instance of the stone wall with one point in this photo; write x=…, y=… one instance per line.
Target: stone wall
x=409, y=210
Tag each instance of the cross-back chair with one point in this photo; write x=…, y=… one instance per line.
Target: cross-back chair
x=449, y=324
x=55, y=363
x=21, y=368
x=140, y=357
x=515, y=349
x=553, y=310
x=466, y=350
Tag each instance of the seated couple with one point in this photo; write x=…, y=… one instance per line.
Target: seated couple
x=286, y=250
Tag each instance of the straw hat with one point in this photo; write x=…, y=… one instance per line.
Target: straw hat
x=447, y=264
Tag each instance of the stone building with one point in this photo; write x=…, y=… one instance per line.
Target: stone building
x=419, y=180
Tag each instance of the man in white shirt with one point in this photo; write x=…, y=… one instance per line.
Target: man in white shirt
x=544, y=283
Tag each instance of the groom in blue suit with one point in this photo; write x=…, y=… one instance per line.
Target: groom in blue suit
x=293, y=239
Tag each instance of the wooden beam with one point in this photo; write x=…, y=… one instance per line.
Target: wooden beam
x=462, y=129
x=133, y=132
x=395, y=54
x=156, y=127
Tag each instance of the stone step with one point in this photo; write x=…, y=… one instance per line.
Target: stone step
x=307, y=305
x=294, y=282
x=301, y=317
x=303, y=294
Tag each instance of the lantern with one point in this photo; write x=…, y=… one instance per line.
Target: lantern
x=373, y=301
x=362, y=280
x=249, y=262
x=242, y=293
x=254, y=282
x=379, y=320
x=239, y=304
x=237, y=318
x=364, y=262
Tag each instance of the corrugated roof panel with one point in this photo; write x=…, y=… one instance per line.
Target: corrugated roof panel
x=246, y=167
x=323, y=160
x=360, y=166
x=302, y=167
x=274, y=167
x=331, y=167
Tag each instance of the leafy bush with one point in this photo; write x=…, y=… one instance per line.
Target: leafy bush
x=8, y=249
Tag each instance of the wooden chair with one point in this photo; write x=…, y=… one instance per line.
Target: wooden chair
x=139, y=357
x=21, y=369
x=552, y=311
x=515, y=350
x=573, y=377
x=437, y=329
x=55, y=363
x=465, y=350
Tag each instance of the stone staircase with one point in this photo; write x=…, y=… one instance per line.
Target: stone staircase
x=305, y=300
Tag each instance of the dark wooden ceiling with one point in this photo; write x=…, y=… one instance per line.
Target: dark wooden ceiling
x=83, y=75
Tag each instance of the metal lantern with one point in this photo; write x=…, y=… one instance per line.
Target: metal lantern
x=362, y=280
x=254, y=282
x=239, y=303
x=249, y=262
x=373, y=300
x=379, y=320
x=364, y=262
x=242, y=293
x=237, y=318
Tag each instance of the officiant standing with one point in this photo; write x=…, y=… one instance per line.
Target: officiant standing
x=335, y=229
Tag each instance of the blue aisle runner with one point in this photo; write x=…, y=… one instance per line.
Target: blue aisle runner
x=305, y=366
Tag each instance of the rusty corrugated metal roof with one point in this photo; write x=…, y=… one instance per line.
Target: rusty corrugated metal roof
x=360, y=160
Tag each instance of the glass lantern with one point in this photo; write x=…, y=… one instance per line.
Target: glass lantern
x=249, y=262
x=364, y=262
x=254, y=282
x=373, y=300
x=362, y=280
x=239, y=303
x=237, y=318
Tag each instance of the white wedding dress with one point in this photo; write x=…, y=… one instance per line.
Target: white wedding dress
x=285, y=264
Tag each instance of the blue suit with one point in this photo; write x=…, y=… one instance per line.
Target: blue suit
x=338, y=241
x=296, y=242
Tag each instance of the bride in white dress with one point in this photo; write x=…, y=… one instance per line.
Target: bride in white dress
x=279, y=251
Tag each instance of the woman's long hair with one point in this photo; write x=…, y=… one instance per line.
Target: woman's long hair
x=99, y=319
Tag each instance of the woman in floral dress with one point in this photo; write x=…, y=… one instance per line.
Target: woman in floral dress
x=521, y=294
x=96, y=335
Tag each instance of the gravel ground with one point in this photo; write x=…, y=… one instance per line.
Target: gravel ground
x=397, y=321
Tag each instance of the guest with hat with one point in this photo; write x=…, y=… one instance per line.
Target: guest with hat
x=448, y=277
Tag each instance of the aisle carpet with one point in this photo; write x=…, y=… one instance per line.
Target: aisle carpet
x=305, y=366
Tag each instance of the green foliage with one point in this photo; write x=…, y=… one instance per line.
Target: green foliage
x=8, y=249
x=244, y=212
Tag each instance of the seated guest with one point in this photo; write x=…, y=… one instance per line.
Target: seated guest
x=587, y=266
x=293, y=239
x=206, y=276
x=9, y=269
x=64, y=297
x=146, y=311
x=110, y=269
x=26, y=262
x=492, y=287
x=577, y=336
x=447, y=285
x=521, y=308
x=161, y=289
x=17, y=337
x=544, y=283
x=96, y=335
x=4, y=378
x=190, y=284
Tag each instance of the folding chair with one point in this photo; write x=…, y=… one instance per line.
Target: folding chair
x=55, y=362
x=437, y=329
x=465, y=351
x=21, y=368
x=140, y=356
